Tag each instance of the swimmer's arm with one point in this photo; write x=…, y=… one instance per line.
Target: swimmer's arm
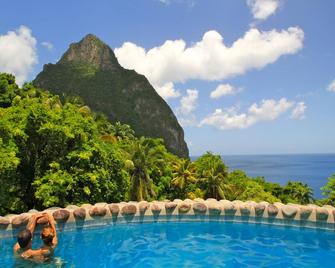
x=16, y=248
x=52, y=225
x=38, y=252
x=32, y=222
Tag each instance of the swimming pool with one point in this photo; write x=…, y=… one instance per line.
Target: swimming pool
x=189, y=244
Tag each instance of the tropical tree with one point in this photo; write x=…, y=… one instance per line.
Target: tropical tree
x=329, y=191
x=255, y=192
x=145, y=157
x=122, y=131
x=213, y=176
x=53, y=154
x=297, y=192
x=183, y=174
x=216, y=183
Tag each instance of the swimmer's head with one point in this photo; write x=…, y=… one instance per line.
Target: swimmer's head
x=47, y=235
x=24, y=238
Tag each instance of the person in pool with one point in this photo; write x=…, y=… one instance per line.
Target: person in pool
x=23, y=246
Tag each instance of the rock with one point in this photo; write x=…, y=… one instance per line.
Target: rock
x=245, y=209
x=155, y=208
x=214, y=208
x=71, y=207
x=272, y=210
x=79, y=213
x=211, y=200
x=322, y=214
x=143, y=206
x=289, y=211
x=305, y=212
x=4, y=222
x=199, y=207
x=22, y=219
x=61, y=215
x=177, y=200
x=101, y=204
x=198, y=200
x=170, y=206
x=98, y=211
x=259, y=209
x=33, y=211
x=52, y=208
x=229, y=208
x=129, y=209
x=114, y=209
x=184, y=207
x=237, y=203
x=87, y=206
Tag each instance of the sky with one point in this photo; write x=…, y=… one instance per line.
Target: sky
x=242, y=76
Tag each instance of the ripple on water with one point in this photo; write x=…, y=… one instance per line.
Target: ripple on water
x=211, y=244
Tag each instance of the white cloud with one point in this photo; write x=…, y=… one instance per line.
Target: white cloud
x=167, y=91
x=298, y=112
x=268, y=110
x=210, y=58
x=331, y=86
x=189, y=102
x=18, y=53
x=262, y=9
x=47, y=45
x=223, y=90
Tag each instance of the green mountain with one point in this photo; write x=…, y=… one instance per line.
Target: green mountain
x=89, y=69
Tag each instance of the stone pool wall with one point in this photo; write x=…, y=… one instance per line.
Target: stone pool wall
x=179, y=210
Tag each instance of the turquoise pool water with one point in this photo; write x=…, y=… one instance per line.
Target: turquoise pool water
x=205, y=244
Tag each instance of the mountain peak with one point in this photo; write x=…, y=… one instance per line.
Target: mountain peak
x=89, y=69
x=91, y=51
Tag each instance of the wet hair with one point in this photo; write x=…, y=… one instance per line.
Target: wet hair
x=24, y=237
x=47, y=235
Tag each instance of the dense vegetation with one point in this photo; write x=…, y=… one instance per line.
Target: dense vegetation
x=54, y=154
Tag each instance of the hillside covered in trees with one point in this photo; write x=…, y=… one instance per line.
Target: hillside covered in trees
x=89, y=69
x=55, y=153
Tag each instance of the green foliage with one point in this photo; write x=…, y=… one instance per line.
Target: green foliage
x=184, y=176
x=8, y=89
x=297, y=192
x=254, y=191
x=55, y=154
x=329, y=191
x=146, y=155
x=213, y=176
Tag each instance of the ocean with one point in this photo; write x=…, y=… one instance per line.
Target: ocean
x=313, y=169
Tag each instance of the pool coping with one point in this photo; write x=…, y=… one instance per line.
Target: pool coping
x=197, y=210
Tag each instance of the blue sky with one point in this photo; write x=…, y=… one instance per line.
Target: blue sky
x=242, y=76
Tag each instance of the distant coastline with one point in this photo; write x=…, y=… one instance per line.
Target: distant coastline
x=311, y=168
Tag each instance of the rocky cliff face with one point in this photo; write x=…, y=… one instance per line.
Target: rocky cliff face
x=90, y=70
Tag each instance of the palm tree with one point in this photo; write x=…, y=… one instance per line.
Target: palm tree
x=122, y=131
x=183, y=173
x=144, y=158
x=215, y=181
x=300, y=192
